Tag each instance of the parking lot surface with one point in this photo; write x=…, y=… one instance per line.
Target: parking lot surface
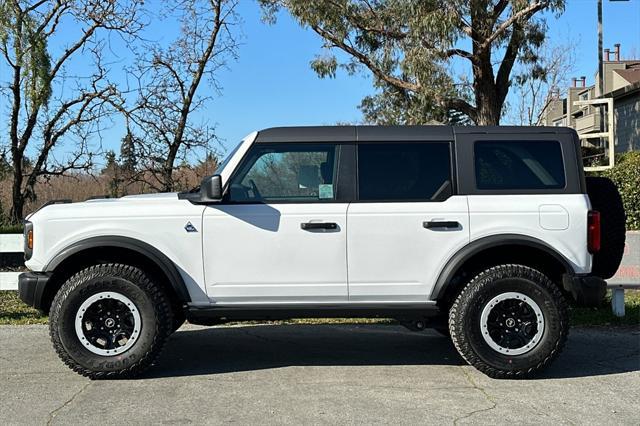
x=321, y=374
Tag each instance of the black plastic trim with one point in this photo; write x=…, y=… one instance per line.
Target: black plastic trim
x=279, y=312
x=457, y=260
x=156, y=256
x=587, y=290
x=31, y=287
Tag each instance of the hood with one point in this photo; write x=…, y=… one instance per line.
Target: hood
x=147, y=205
x=141, y=197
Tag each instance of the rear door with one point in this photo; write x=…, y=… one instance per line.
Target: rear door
x=406, y=221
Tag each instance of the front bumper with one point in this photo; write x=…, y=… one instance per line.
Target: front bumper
x=587, y=290
x=31, y=286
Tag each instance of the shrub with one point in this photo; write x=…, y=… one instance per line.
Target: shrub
x=626, y=175
x=11, y=229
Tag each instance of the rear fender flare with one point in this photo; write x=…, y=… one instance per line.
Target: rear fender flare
x=467, y=252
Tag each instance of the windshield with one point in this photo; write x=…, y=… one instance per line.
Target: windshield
x=226, y=160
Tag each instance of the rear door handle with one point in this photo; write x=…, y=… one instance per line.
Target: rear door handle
x=318, y=225
x=433, y=224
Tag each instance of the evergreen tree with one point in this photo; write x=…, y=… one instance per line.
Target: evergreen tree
x=414, y=47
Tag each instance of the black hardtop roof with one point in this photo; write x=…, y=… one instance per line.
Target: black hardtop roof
x=391, y=133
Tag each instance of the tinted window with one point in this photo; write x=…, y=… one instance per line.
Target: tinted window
x=286, y=172
x=519, y=165
x=404, y=171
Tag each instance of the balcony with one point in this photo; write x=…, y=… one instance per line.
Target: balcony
x=589, y=123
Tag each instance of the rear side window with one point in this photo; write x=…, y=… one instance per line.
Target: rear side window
x=400, y=171
x=518, y=165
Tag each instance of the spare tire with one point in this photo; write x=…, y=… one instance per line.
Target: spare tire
x=606, y=199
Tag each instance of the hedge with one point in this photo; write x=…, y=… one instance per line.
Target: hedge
x=626, y=175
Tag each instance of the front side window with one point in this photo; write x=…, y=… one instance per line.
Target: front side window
x=287, y=172
x=518, y=165
x=399, y=171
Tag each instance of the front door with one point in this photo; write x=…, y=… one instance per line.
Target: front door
x=280, y=235
x=406, y=223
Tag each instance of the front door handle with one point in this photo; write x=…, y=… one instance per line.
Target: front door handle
x=434, y=224
x=318, y=225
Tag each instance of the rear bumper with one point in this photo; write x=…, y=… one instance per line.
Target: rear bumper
x=31, y=287
x=587, y=290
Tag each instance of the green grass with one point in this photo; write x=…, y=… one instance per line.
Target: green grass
x=13, y=311
x=604, y=317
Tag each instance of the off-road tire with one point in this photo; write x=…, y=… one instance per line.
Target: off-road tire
x=465, y=314
x=606, y=199
x=132, y=282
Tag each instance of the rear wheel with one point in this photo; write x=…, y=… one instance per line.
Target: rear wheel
x=110, y=321
x=509, y=322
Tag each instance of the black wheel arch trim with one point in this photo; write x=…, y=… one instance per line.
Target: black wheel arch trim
x=467, y=252
x=153, y=254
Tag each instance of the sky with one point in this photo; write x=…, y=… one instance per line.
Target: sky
x=272, y=84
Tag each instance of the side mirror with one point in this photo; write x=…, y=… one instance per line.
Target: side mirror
x=211, y=189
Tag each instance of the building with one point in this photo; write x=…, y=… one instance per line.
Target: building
x=622, y=83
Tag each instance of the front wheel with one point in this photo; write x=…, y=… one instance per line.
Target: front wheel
x=110, y=321
x=509, y=322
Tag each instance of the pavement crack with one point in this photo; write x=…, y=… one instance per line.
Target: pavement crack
x=53, y=413
x=475, y=386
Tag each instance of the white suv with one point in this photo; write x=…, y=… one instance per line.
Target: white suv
x=481, y=233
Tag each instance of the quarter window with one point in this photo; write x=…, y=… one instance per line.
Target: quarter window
x=519, y=165
x=287, y=172
x=399, y=171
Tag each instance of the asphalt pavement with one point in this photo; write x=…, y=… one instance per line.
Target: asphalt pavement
x=321, y=374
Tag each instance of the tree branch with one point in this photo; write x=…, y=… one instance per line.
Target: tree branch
x=521, y=14
x=365, y=60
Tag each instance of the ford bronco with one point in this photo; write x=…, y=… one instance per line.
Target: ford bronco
x=483, y=233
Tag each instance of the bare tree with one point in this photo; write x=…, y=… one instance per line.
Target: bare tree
x=39, y=121
x=168, y=82
x=535, y=83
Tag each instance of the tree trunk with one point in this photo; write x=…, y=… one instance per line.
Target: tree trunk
x=167, y=168
x=17, y=197
x=488, y=108
x=488, y=104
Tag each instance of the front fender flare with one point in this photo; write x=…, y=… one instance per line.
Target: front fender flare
x=153, y=254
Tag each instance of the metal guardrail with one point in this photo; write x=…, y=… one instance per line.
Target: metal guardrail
x=10, y=243
x=628, y=275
